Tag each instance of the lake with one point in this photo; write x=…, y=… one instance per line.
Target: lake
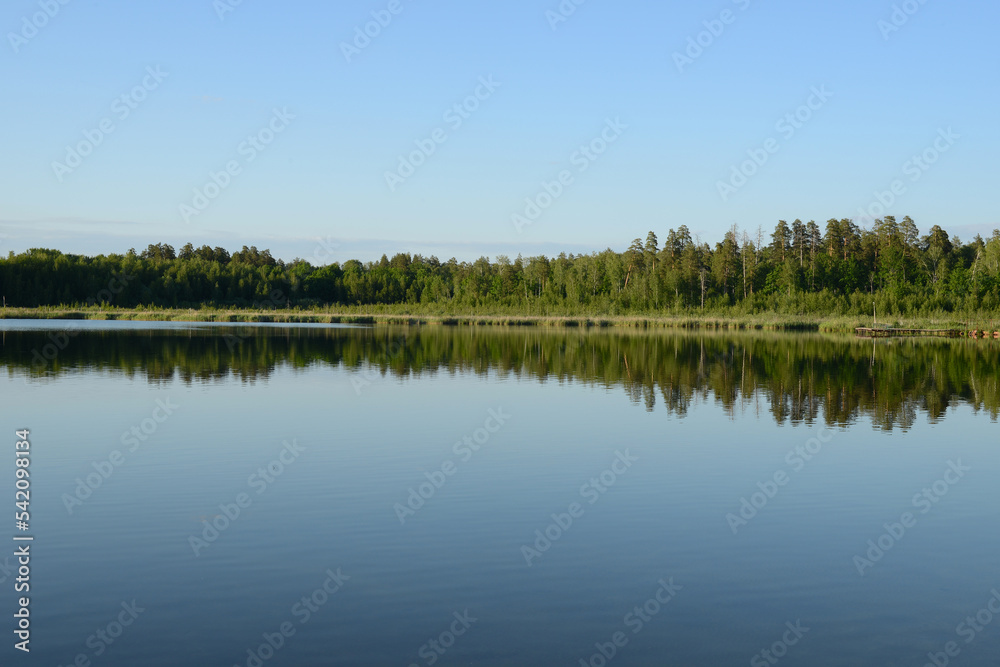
x=335, y=495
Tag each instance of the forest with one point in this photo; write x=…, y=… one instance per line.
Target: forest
x=798, y=268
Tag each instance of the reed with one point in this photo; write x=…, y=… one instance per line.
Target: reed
x=435, y=316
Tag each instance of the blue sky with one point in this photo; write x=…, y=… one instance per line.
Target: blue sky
x=343, y=121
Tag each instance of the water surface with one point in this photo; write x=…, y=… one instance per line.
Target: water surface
x=423, y=468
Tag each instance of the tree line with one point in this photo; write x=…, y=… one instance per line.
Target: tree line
x=799, y=268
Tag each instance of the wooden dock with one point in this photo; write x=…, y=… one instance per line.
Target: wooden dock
x=869, y=332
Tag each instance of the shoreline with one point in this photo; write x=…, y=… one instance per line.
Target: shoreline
x=771, y=322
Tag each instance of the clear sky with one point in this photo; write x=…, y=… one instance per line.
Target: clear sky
x=229, y=78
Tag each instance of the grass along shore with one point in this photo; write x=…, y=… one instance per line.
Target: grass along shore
x=770, y=321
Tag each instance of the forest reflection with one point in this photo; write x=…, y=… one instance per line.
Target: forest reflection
x=794, y=377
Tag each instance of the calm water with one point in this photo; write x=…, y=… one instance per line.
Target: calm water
x=488, y=497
